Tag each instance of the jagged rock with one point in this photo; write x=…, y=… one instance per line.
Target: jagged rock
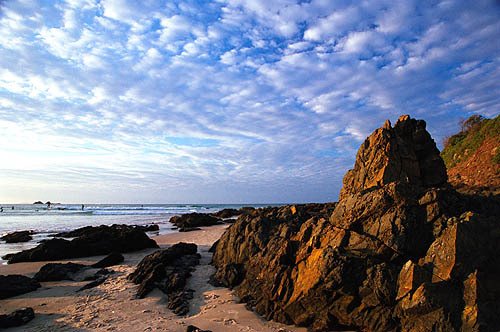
x=191, y=220
x=227, y=213
x=168, y=270
x=15, y=237
x=92, y=241
x=15, y=284
x=114, y=258
x=16, y=318
x=403, y=153
x=401, y=251
x=58, y=271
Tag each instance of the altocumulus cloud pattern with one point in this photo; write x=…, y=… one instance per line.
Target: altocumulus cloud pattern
x=228, y=100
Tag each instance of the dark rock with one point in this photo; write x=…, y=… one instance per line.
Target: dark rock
x=93, y=284
x=192, y=328
x=213, y=247
x=114, y=258
x=58, y=271
x=168, y=270
x=15, y=237
x=401, y=251
x=227, y=213
x=190, y=220
x=148, y=228
x=15, y=284
x=189, y=229
x=92, y=241
x=16, y=318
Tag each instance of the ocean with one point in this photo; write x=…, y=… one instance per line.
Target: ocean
x=45, y=221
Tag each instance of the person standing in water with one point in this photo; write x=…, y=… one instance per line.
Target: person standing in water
x=83, y=206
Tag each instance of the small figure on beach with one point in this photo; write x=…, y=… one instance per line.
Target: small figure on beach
x=1, y=209
x=83, y=206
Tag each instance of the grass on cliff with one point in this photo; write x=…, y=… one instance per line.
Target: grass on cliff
x=475, y=130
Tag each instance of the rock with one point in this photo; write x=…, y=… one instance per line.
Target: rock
x=168, y=270
x=148, y=228
x=93, y=284
x=58, y=271
x=17, y=318
x=14, y=284
x=15, y=237
x=91, y=241
x=190, y=220
x=189, y=229
x=114, y=258
x=227, y=213
x=405, y=153
x=192, y=328
x=38, y=202
x=400, y=251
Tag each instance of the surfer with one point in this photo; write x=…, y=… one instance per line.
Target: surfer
x=83, y=206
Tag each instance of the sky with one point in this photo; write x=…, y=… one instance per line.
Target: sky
x=226, y=101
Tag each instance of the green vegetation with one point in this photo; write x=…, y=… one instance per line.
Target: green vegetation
x=475, y=129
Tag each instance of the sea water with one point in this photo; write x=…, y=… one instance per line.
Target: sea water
x=45, y=220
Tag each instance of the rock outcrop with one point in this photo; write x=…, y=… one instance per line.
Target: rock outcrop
x=189, y=221
x=94, y=241
x=168, y=270
x=401, y=251
x=16, y=237
x=17, y=318
x=15, y=284
x=58, y=271
x=114, y=258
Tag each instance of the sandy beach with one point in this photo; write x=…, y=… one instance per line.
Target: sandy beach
x=113, y=307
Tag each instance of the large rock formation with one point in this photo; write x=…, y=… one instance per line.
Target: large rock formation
x=92, y=242
x=168, y=270
x=401, y=251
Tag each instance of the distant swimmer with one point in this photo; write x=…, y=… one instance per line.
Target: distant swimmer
x=83, y=206
x=13, y=208
x=1, y=209
x=48, y=205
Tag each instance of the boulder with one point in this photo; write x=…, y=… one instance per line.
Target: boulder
x=148, y=228
x=400, y=251
x=16, y=237
x=168, y=270
x=15, y=284
x=191, y=220
x=58, y=271
x=17, y=318
x=114, y=258
x=92, y=241
x=227, y=213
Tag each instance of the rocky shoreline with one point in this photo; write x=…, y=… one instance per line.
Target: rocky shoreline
x=402, y=250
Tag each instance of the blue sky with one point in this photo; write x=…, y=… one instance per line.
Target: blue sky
x=230, y=101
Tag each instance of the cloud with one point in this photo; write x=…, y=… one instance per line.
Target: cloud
x=227, y=101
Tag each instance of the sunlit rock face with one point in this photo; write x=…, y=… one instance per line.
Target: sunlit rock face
x=400, y=251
